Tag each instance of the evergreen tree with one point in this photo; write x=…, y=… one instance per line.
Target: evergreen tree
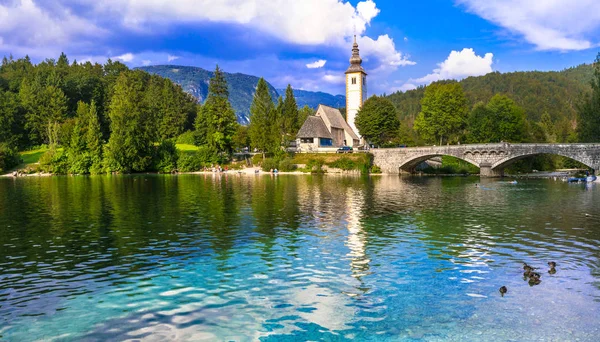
x=11, y=119
x=130, y=147
x=588, y=116
x=289, y=116
x=377, y=121
x=264, y=131
x=444, y=111
x=303, y=114
x=216, y=117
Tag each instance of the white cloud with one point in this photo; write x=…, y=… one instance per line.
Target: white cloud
x=329, y=78
x=460, y=64
x=25, y=24
x=318, y=64
x=171, y=58
x=385, y=50
x=146, y=62
x=549, y=24
x=127, y=57
x=306, y=22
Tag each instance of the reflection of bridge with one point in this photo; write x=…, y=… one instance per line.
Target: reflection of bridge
x=490, y=158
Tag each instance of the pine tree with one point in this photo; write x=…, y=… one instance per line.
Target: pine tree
x=264, y=131
x=216, y=118
x=289, y=116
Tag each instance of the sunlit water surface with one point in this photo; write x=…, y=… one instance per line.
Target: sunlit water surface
x=210, y=257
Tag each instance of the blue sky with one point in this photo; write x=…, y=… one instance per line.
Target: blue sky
x=307, y=42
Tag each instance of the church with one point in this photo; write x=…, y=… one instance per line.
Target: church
x=326, y=130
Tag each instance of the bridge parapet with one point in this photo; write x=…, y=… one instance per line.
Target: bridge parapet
x=490, y=158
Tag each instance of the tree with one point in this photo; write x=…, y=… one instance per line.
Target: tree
x=216, y=118
x=444, y=112
x=377, y=121
x=130, y=146
x=289, y=116
x=303, y=114
x=11, y=119
x=500, y=120
x=588, y=113
x=264, y=131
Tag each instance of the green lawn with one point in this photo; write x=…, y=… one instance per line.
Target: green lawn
x=186, y=147
x=33, y=156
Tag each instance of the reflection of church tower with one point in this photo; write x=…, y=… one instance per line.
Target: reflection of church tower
x=356, y=87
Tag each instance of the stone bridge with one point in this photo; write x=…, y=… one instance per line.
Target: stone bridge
x=491, y=159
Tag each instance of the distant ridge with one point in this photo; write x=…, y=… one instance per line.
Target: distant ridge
x=194, y=80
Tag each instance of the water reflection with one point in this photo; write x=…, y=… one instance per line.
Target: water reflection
x=307, y=257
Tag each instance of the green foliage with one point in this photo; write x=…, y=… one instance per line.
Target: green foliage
x=12, y=119
x=588, y=118
x=55, y=161
x=344, y=163
x=315, y=165
x=216, y=119
x=269, y=164
x=241, y=138
x=9, y=157
x=286, y=165
x=165, y=157
x=500, y=120
x=304, y=113
x=377, y=122
x=130, y=147
x=444, y=112
x=264, y=132
x=289, y=120
x=187, y=138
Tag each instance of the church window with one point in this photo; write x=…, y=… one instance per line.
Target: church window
x=325, y=142
x=353, y=80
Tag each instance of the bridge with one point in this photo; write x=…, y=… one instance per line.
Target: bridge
x=491, y=159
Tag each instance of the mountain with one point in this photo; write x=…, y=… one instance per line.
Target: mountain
x=314, y=98
x=554, y=92
x=194, y=80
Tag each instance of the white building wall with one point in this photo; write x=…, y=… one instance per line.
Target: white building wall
x=356, y=94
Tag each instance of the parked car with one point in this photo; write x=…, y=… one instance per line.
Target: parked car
x=344, y=149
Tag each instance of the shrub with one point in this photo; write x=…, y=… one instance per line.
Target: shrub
x=375, y=169
x=257, y=159
x=315, y=165
x=269, y=164
x=344, y=163
x=286, y=165
x=79, y=163
x=189, y=162
x=54, y=161
x=165, y=157
x=188, y=138
x=9, y=158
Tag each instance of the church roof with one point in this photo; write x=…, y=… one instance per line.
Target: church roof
x=314, y=127
x=355, y=60
x=336, y=119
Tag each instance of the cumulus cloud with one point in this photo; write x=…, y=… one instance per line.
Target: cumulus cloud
x=318, y=64
x=25, y=24
x=549, y=25
x=460, y=64
x=385, y=50
x=127, y=57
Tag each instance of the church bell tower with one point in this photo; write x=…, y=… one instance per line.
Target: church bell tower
x=356, y=87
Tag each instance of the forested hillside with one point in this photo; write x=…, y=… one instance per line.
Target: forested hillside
x=555, y=93
x=194, y=80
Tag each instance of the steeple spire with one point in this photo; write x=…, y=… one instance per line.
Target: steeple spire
x=355, y=60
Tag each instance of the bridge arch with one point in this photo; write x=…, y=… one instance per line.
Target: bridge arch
x=507, y=161
x=409, y=164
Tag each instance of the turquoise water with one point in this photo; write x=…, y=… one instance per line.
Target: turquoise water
x=245, y=258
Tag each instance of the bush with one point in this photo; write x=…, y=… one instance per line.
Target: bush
x=54, y=161
x=269, y=164
x=165, y=157
x=375, y=169
x=257, y=159
x=286, y=165
x=344, y=163
x=315, y=165
x=189, y=162
x=79, y=164
x=188, y=138
x=9, y=158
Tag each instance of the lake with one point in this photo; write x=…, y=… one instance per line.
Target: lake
x=297, y=257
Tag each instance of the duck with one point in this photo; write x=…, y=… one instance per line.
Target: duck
x=534, y=279
x=503, y=290
x=552, y=269
x=528, y=269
